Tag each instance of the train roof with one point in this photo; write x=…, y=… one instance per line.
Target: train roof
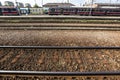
x=7, y=7
x=86, y=7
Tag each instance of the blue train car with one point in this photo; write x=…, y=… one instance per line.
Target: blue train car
x=24, y=11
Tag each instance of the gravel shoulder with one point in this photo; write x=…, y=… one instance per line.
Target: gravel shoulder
x=59, y=38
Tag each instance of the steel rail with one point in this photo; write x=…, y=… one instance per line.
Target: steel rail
x=62, y=47
x=62, y=17
x=60, y=28
x=3, y=72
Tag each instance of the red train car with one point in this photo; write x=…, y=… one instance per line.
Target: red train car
x=69, y=11
x=85, y=11
x=62, y=11
x=98, y=12
x=4, y=10
x=113, y=12
x=55, y=11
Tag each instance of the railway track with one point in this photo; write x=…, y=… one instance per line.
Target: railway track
x=52, y=47
x=59, y=58
x=62, y=28
x=42, y=62
x=58, y=75
x=62, y=17
x=60, y=23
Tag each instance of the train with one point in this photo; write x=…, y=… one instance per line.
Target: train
x=85, y=11
x=9, y=11
x=31, y=11
x=82, y=11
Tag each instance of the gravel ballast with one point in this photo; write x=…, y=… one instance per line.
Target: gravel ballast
x=59, y=38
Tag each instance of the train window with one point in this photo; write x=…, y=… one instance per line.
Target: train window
x=53, y=10
x=5, y=9
x=111, y=10
x=85, y=9
x=24, y=11
x=9, y=10
x=0, y=9
x=61, y=9
x=80, y=9
x=72, y=9
x=96, y=10
x=21, y=12
x=93, y=9
x=100, y=10
x=116, y=10
x=88, y=9
x=13, y=9
x=66, y=9
x=108, y=11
